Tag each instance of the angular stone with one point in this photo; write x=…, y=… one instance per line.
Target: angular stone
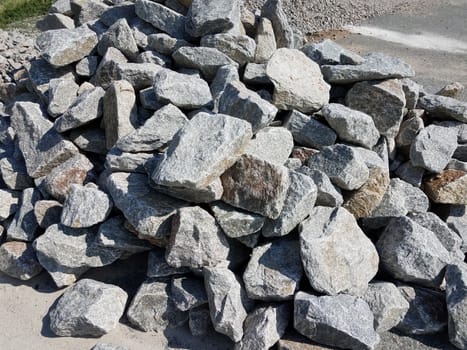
x=255, y=74
x=240, y=48
x=202, y=150
x=336, y=254
x=271, y=144
x=139, y=75
x=85, y=206
x=89, y=308
x=456, y=299
x=47, y=213
x=199, y=321
x=274, y=271
x=411, y=174
x=244, y=186
x=351, y=328
x=264, y=327
x=412, y=92
x=89, y=10
x=327, y=52
x=449, y=187
x=165, y=44
x=224, y=76
x=153, y=308
x=117, y=161
x=14, y=173
x=55, y=21
x=378, y=158
x=310, y=132
x=108, y=68
x=205, y=59
x=195, y=227
x=298, y=82
x=188, y=293
x=351, y=126
x=461, y=153
x=234, y=222
x=148, y=99
x=158, y=266
x=265, y=41
x=409, y=130
x=212, y=16
x=455, y=164
x=89, y=139
x=376, y=66
x=42, y=147
x=61, y=6
x=451, y=90
x=161, y=17
x=121, y=9
x=273, y=10
x=387, y=304
x=9, y=201
x=120, y=36
x=154, y=57
x=18, y=260
x=384, y=101
x=64, y=46
x=444, y=107
x=182, y=90
x=62, y=94
x=86, y=108
x=228, y=302
x=24, y=225
x=427, y=259
x=328, y=195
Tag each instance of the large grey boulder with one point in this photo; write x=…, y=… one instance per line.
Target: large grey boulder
x=351, y=328
x=88, y=309
x=456, y=299
x=444, y=107
x=64, y=46
x=336, y=254
x=327, y=52
x=18, y=260
x=272, y=144
x=24, y=225
x=273, y=10
x=298, y=82
x=13, y=171
x=274, y=271
x=120, y=36
x=202, y=150
x=240, y=48
x=62, y=93
x=188, y=293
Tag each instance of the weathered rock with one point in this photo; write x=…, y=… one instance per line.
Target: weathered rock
x=202, y=150
x=328, y=195
x=235, y=222
x=139, y=75
x=121, y=9
x=64, y=46
x=18, y=260
x=195, y=227
x=411, y=174
x=120, y=36
x=158, y=266
x=55, y=21
x=409, y=130
x=452, y=90
x=274, y=271
x=444, y=107
x=188, y=293
x=284, y=34
x=461, y=153
x=117, y=161
x=427, y=259
x=271, y=144
x=327, y=52
x=165, y=44
x=228, y=302
x=47, y=213
x=90, y=10
x=336, y=254
x=224, y=76
x=13, y=171
x=108, y=68
x=62, y=94
x=449, y=187
x=240, y=48
x=455, y=164
x=9, y=201
x=384, y=101
x=352, y=328
x=376, y=66
x=24, y=225
x=255, y=74
x=412, y=92
x=89, y=308
x=153, y=308
x=42, y=147
x=456, y=299
x=387, y=304
x=154, y=57
x=456, y=218
x=265, y=41
x=199, y=321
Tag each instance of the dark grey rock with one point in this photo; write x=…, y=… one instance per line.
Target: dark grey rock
x=456, y=299
x=444, y=107
x=55, y=21
x=18, y=260
x=47, y=213
x=121, y=9
x=117, y=161
x=409, y=130
x=411, y=174
x=327, y=52
x=224, y=76
x=14, y=173
x=328, y=195
x=199, y=321
x=457, y=221
x=274, y=11
x=108, y=68
x=240, y=48
x=89, y=139
x=120, y=36
x=148, y=99
x=154, y=57
x=188, y=293
x=165, y=44
x=158, y=266
x=24, y=225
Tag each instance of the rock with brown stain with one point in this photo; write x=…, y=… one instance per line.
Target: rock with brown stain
x=449, y=187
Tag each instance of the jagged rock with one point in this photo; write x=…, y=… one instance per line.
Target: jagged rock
x=376, y=66
x=274, y=271
x=199, y=321
x=449, y=187
x=412, y=92
x=240, y=48
x=272, y=10
x=336, y=254
x=444, y=107
x=224, y=76
x=461, y=153
x=374, y=159
x=120, y=36
x=89, y=308
x=455, y=164
x=228, y=302
x=240, y=102
x=139, y=75
x=117, y=161
x=158, y=266
x=387, y=304
x=351, y=126
x=411, y=174
x=298, y=82
x=327, y=52
x=43, y=146
x=64, y=46
x=427, y=259
x=456, y=299
x=153, y=308
x=271, y=144
x=351, y=328
x=90, y=10
x=195, y=227
x=235, y=222
x=256, y=74
x=108, y=68
x=452, y=90
x=62, y=94
x=148, y=99
x=9, y=201
x=24, y=225
x=121, y=9
x=86, y=108
x=328, y=195
x=409, y=130
x=310, y=132
x=87, y=67
x=55, y=21
x=183, y=90
x=154, y=57
x=165, y=44
x=47, y=213
x=18, y=260
x=456, y=218
x=244, y=186
x=202, y=150
x=188, y=293
x=265, y=41
x=14, y=173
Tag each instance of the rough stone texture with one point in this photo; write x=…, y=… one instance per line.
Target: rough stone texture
x=9, y=201
x=449, y=187
x=108, y=68
x=13, y=171
x=433, y=147
x=182, y=90
x=351, y=328
x=387, y=304
x=255, y=185
x=240, y=102
x=265, y=41
x=62, y=93
x=105, y=346
x=47, y=213
x=444, y=107
x=165, y=44
x=328, y=195
x=117, y=161
x=274, y=271
x=327, y=52
x=64, y=46
x=188, y=293
x=120, y=36
x=228, y=302
x=376, y=66
x=336, y=254
x=195, y=227
x=55, y=21
x=451, y=90
x=298, y=82
x=87, y=67
x=273, y=10
x=309, y=132
x=224, y=76
x=409, y=130
x=411, y=91
x=411, y=174
x=74, y=171
x=342, y=164
x=202, y=150
x=24, y=225
x=158, y=266
x=42, y=147
x=456, y=218
x=240, y=48
x=18, y=260
x=351, y=126
x=427, y=259
x=255, y=74
x=235, y=222
x=456, y=299
x=154, y=57
x=89, y=308
x=139, y=75
x=384, y=101
x=271, y=144
x=199, y=321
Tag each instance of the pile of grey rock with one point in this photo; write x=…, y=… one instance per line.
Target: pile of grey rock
x=272, y=186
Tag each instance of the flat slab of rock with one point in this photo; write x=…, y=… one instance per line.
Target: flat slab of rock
x=18, y=260
x=456, y=299
x=202, y=150
x=449, y=187
x=271, y=144
x=327, y=52
x=89, y=308
x=444, y=107
x=352, y=328
x=336, y=254
x=139, y=75
x=240, y=48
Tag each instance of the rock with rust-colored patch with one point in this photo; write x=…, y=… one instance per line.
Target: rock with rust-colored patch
x=449, y=187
